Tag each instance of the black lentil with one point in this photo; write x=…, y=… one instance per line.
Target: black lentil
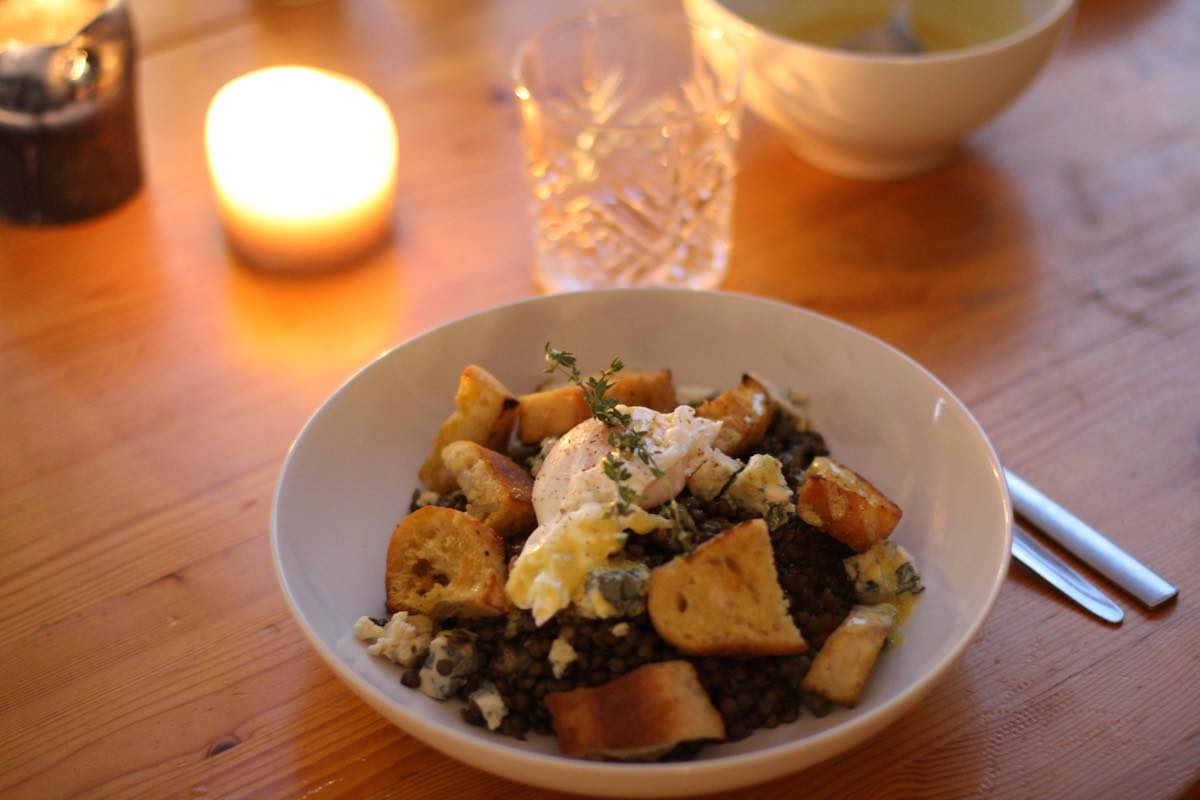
x=748, y=693
x=455, y=500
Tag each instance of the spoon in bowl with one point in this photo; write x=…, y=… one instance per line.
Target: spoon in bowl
x=894, y=36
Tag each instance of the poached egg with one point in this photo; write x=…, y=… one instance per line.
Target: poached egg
x=579, y=526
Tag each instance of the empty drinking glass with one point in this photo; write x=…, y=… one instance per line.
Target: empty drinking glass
x=630, y=124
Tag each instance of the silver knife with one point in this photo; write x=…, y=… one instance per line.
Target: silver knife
x=1032, y=554
x=1088, y=544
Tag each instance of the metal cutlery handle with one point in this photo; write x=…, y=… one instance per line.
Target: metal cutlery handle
x=1088, y=544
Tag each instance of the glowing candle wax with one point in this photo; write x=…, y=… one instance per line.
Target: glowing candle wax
x=303, y=162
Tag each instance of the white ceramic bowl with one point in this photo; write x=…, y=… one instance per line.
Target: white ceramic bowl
x=878, y=116
x=350, y=474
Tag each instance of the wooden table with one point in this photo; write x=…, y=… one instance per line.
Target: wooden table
x=151, y=386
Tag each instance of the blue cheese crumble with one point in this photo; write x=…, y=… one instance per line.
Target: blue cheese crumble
x=617, y=591
x=451, y=660
x=490, y=704
x=562, y=655
x=760, y=488
x=883, y=573
x=404, y=640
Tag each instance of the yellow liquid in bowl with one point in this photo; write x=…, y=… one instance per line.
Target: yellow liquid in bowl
x=939, y=25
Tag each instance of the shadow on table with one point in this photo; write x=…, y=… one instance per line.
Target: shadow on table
x=887, y=256
x=1098, y=21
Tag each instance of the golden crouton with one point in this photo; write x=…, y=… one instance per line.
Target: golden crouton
x=552, y=412
x=555, y=411
x=637, y=717
x=653, y=390
x=442, y=563
x=713, y=475
x=840, y=670
x=724, y=598
x=845, y=505
x=499, y=493
x=745, y=413
x=484, y=412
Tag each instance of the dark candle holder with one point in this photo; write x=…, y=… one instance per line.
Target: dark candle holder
x=68, y=124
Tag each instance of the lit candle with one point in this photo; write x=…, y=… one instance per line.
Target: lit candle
x=303, y=162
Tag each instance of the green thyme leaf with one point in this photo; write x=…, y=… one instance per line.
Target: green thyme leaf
x=627, y=442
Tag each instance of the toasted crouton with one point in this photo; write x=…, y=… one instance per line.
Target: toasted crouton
x=845, y=505
x=840, y=670
x=555, y=411
x=790, y=404
x=484, y=412
x=745, y=413
x=499, y=493
x=713, y=475
x=552, y=412
x=637, y=717
x=653, y=390
x=442, y=563
x=724, y=598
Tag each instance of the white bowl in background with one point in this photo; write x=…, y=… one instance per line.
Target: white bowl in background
x=350, y=474
x=877, y=116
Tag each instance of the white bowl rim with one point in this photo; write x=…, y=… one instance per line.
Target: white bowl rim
x=852, y=731
x=1036, y=26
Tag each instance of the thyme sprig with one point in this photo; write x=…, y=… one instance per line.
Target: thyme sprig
x=626, y=441
x=683, y=527
x=595, y=388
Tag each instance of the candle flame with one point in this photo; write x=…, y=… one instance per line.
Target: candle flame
x=296, y=143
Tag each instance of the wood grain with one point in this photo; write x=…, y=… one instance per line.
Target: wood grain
x=1050, y=275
